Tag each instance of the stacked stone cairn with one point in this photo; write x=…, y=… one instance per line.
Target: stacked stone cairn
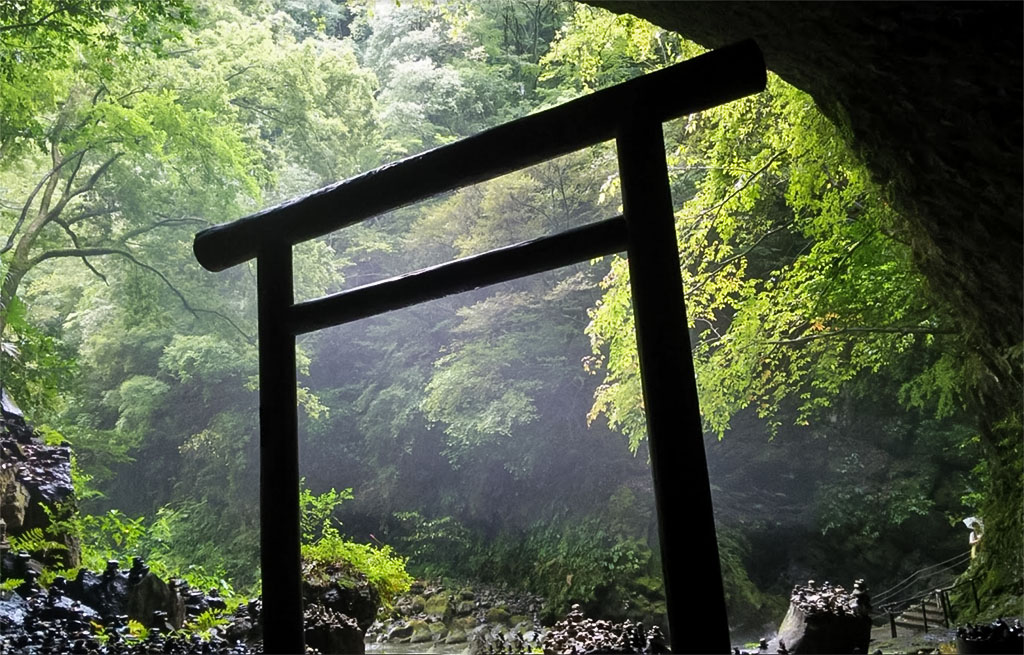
x=578, y=635
x=91, y=613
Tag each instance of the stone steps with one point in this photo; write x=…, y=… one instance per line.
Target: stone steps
x=914, y=618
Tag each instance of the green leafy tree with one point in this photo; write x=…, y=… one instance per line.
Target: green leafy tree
x=40, y=39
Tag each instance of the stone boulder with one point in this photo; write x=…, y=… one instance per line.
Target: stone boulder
x=421, y=633
x=399, y=633
x=440, y=607
x=341, y=591
x=152, y=595
x=341, y=605
x=329, y=631
x=107, y=593
x=13, y=612
x=827, y=619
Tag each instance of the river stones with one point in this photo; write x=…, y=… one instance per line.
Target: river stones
x=420, y=632
x=498, y=615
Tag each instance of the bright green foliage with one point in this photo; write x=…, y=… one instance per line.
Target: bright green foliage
x=39, y=39
x=8, y=585
x=35, y=541
x=317, y=512
x=796, y=279
x=205, y=623
x=382, y=568
x=596, y=48
x=324, y=550
x=137, y=631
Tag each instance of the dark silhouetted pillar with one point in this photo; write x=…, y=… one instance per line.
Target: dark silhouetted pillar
x=689, y=549
x=280, y=559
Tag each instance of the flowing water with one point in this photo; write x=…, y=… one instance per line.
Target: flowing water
x=409, y=649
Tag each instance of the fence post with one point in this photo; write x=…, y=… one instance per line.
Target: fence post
x=686, y=525
x=892, y=622
x=974, y=595
x=280, y=559
x=940, y=597
x=924, y=614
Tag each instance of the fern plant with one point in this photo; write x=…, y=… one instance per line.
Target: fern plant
x=35, y=541
x=9, y=585
x=207, y=621
x=137, y=631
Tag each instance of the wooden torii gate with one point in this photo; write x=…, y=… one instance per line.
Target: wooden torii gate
x=632, y=114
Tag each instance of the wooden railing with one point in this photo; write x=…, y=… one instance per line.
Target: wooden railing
x=630, y=113
x=920, y=589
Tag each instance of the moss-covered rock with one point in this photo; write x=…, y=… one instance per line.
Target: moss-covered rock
x=456, y=636
x=420, y=632
x=439, y=605
x=438, y=630
x=464, y=608
x=498, y=615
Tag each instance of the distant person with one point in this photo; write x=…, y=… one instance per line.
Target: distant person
x=976, y=533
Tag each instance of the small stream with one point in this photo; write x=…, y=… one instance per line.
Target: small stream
x=404, y=649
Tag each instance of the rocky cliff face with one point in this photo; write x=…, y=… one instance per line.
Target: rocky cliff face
x=32, y=475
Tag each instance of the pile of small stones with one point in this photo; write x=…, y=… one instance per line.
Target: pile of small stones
x=38, y=621
x=831, y=599
x=578, y=635
x=77, y=636
x=497, y=641
x=1001, y=635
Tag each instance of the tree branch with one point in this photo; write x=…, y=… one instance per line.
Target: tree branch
x=833, y=273
x=728, y=260
x=85, y=188
x=164, y=223
x=97, y=174
x=78, y=245
x=257, y=109
x=74, y=172
x=96, y=252
x=78, y=218
x=24, y=26
x=717, y=207
x=238, y=72
x=31, y=197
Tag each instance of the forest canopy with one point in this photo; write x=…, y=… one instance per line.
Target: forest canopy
x=838, y=399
